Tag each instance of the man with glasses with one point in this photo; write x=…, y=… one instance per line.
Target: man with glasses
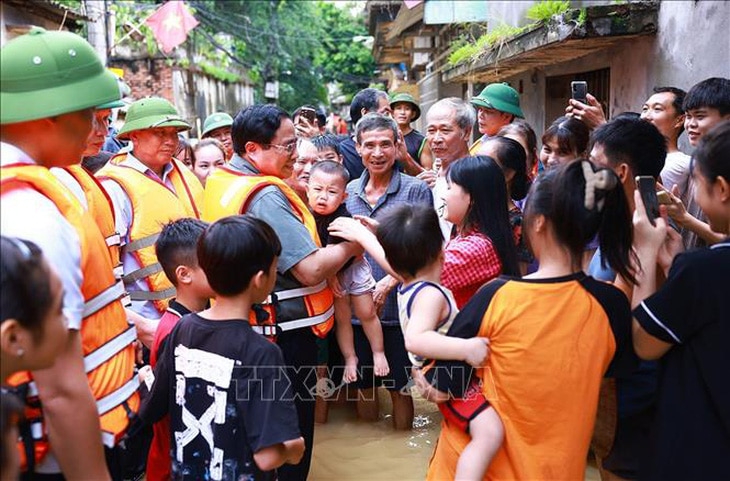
x=301, y=308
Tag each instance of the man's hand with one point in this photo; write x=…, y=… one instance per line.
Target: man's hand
x=381, y=291
x=429, y=177
x=146, y=328
x=590, y=114
x=305, y=129
x=428, y=392
x=477, y=351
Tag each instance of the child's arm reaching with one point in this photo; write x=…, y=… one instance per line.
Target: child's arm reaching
x=354, y=230
x=428, y=308
x=271, y=457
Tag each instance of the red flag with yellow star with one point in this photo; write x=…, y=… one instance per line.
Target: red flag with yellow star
x=171, y=24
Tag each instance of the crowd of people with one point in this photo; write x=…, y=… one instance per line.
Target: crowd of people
x=171, y=308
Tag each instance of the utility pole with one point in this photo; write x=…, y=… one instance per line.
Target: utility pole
x=97, y=33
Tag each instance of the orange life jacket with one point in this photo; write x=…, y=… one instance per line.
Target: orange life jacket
x=102, y=211
x=153, y=206
x=293, y=306
x=107, y=339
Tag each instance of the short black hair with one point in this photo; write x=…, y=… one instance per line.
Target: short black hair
x=256, y=123
x=365, y=99
x=712, y=156
x=233, y=250
x=712, y=92
x=411, y=237
x=327, y=141
x=570, y=134
x=26, y=285
x=332, y=168
x=635, y=142
x=679, y=96
x=177, y=245
x=375, y=121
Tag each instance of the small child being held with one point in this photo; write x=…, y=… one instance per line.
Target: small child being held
x=223, y=384
x=326, y=192
x=408, y=243
x=176, y=252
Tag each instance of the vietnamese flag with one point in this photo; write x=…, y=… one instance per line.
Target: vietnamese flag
x=171, y=24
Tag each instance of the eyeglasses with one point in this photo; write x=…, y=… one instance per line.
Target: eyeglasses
x=288, y=148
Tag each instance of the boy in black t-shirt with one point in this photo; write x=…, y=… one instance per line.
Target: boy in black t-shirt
x=686, y=323
x=224, y=386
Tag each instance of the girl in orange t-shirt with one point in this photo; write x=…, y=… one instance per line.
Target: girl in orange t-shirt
x=553, y=334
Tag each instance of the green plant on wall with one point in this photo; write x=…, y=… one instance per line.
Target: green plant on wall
x=543, y=11
x=465, y=50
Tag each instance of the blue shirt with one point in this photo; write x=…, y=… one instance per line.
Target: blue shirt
x=403, y=189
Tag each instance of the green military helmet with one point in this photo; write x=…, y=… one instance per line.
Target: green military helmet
x=499, y=96
x=214, y=121
x=406, y=98
x=150, y=113
x=124, y=91
x=48, y=73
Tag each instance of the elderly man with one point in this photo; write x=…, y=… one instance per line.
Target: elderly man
x=379, y=187
x=218, y=126
x=51, y=83
x=148, y=189
x=253, y=183
x=449, y=122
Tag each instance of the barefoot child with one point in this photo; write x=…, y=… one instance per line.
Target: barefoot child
x=221, y=382
x=409, y=244
x=176, y=252
x=326, y=192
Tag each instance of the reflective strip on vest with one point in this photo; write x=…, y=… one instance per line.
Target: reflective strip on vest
x=113, y=240
x=36, y=430
x=296, y=324
x=108, y=439
x=110, y=349
x=115, y=398
x=299, y=292
x=152, y=296
x=140, y=274
x=118, y=271
x=103, y=299
x=140, y=244
x=98, y=357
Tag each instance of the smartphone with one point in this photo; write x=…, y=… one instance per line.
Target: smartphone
x=579, y=90
x=664, y=197
x=647, y=188
x=309, y=114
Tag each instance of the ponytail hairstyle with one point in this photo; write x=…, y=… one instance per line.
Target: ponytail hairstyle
x=510, y=155
x=26, y=285
x=482, y=178
x=581, y=201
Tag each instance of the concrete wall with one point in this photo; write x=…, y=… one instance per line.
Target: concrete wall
x=692, y=43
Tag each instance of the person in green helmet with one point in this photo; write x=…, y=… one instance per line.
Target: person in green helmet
x=405, y=112
x=497, y=105
x=218, y=126
x=149, y=188
x=50, y=83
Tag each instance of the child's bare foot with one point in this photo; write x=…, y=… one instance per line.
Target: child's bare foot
x=350, y=374
x=380, y=364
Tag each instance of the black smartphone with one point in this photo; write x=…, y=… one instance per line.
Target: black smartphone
x=579, y=90
x=647, y=188
x=309, y=114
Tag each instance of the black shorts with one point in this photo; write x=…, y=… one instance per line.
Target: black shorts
x=395, y=352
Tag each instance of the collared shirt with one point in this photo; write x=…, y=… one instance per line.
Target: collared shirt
x=29, y=215
x=124, y=215
x=272, y=206
x=469, y=261
x=403, y=189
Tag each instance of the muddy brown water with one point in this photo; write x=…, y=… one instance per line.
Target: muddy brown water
x=348, y=449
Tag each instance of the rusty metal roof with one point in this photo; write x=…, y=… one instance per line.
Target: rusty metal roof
x=559, y=41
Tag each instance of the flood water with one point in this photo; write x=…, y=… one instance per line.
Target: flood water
x=347, y=449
